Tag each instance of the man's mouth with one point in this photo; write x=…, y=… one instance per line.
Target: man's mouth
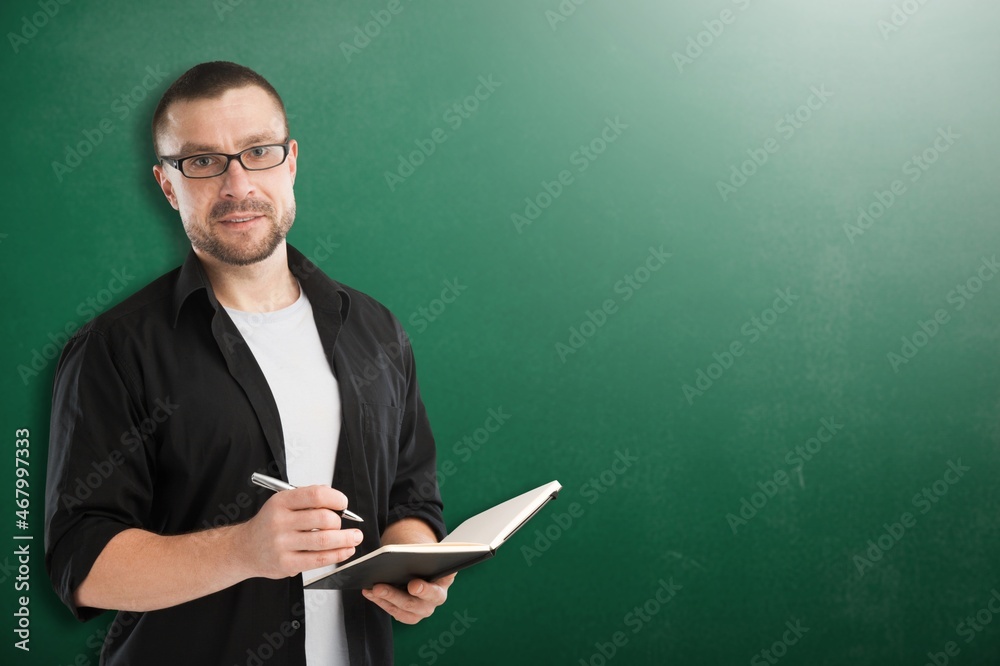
x=239, y=219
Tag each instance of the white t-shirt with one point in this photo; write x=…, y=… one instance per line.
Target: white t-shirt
x=288, y=350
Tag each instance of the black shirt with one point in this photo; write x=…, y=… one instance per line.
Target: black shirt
x=161, y=414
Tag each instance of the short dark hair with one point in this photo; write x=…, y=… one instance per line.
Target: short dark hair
x=210, y=80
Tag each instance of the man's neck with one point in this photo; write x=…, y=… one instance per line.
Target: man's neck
x=262, y=287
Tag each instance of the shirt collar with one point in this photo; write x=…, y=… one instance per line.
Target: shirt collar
x=323, y=292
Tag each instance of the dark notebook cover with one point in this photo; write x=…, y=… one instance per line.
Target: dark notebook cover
x=472, y=542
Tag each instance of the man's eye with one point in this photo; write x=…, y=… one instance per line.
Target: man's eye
x=203, y=161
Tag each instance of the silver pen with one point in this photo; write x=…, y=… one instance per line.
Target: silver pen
x=274, y=484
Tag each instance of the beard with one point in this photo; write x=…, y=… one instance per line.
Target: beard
x=243, y=250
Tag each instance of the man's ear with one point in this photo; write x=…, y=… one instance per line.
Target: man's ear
x=160, y=174
x=293, y=153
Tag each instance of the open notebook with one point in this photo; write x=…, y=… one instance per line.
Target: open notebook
x=471, y=542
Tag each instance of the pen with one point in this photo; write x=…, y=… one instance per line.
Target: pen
x=274, y=484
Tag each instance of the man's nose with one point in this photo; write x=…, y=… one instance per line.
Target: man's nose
x=236, y=182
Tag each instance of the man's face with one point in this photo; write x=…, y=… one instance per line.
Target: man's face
x=241, y=216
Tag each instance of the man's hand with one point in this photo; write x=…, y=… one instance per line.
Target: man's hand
x=295, y=531
x=420, y=598
x=413, y=604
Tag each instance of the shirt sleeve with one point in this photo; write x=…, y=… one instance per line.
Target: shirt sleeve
x=100, y=474
x=411, y=496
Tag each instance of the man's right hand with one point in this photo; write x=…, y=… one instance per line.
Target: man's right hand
x=295, y=531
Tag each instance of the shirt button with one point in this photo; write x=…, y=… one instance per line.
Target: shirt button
x=296, y=624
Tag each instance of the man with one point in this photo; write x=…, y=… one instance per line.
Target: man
x=245, y=359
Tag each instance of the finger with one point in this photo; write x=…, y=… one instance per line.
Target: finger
x=319, y=540
x=300, y=561
x=431, y=593
x=400, y=605
x=403, y=600
x=314, y=497
x=445, y=581
x=387, y=607
x=305, y=520
x=398, y=614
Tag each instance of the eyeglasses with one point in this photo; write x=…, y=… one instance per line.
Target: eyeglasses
x=209, y=165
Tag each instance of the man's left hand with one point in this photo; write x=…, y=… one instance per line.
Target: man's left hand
x=413, y=604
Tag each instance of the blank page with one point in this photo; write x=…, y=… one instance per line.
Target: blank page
x=495, y=525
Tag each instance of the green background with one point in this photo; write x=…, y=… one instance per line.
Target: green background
x=887, y=93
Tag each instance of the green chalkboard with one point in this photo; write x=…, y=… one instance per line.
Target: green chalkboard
x=726, y=270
